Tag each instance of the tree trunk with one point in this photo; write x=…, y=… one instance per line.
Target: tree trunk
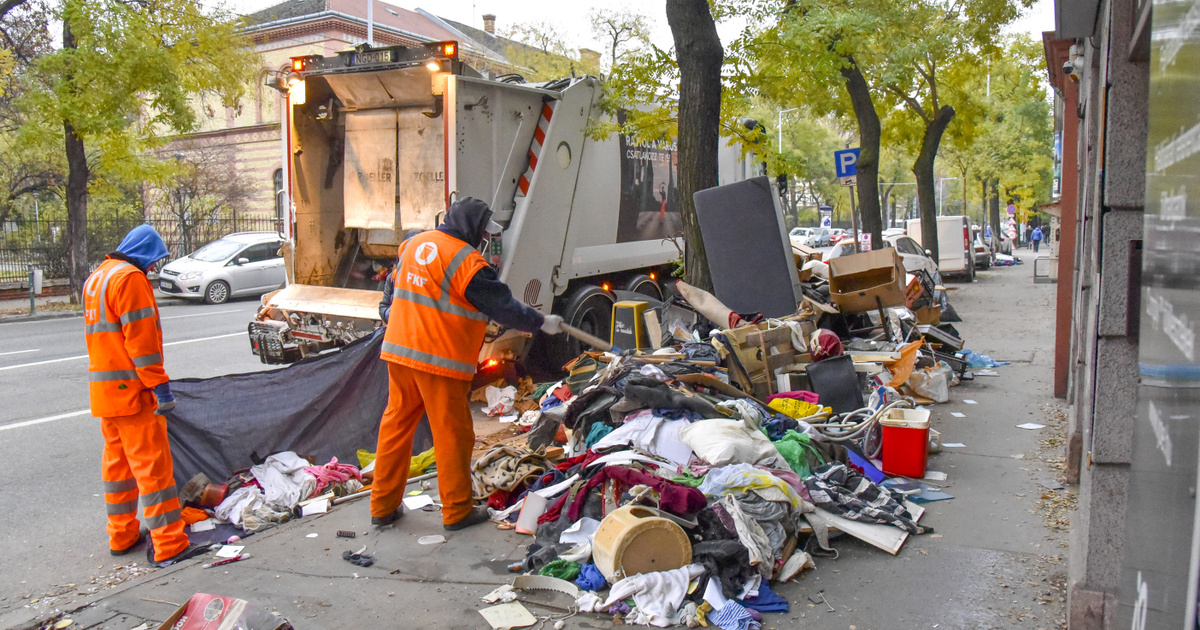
x=923, y=170
x=868, y=157
x=883, y=206
x=77, y=198
x=994, y=213
x=699, y=53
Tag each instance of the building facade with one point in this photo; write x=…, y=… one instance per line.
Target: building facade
x=1127, y=75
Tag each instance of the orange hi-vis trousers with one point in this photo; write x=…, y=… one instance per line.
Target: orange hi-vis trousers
x=411, y=394
x=137, y=461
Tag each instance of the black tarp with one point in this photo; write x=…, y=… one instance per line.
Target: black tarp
x=323, y=406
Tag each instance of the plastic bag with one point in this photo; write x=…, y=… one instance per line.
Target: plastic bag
x=932, y=383
x=500, y=401
x=725, y=442
x=797, y=409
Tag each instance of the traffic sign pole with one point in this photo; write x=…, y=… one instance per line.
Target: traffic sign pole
x=854, y=220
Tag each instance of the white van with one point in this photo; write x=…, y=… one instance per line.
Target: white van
x=955, y=255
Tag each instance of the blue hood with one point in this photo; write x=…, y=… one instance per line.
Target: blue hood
x=143, y=246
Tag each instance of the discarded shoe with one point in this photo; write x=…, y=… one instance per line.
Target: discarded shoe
x=191, y=551
x=477, y=516
x=120, y=552
x=384, y=521
x=361, y=559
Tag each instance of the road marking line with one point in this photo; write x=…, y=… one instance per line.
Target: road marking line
x=208, y=313
x=179, y=343
x=3, y=354
x=27, y=423
x=84, y=356
x=46, y=362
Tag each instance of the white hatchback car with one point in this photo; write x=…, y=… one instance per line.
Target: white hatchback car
x=244, y=263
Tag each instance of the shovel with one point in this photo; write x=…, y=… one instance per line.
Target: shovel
x=590, y=339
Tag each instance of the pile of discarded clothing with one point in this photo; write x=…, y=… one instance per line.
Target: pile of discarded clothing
x=750, y=490
x=268, y=493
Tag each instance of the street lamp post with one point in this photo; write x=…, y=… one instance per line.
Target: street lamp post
x=779, y=127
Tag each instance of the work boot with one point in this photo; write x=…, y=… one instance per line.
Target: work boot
x=191, y=551
x=390, y=519
x=477, y=516
x=120, y=552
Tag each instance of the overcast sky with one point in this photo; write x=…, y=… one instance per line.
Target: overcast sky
x=571, y=18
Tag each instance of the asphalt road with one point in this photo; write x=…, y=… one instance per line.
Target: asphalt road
x=51, y=509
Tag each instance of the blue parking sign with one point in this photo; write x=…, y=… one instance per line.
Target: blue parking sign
x=845, y=163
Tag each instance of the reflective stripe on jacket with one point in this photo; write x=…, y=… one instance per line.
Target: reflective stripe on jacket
x=431, y=325
x=124, y=338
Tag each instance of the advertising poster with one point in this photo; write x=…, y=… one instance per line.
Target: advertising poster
x=649, y=191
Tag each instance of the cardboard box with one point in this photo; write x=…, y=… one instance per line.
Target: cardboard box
x=214, y=612
x=864, y=282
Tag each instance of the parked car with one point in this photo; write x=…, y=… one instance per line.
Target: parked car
x=983, y=255
x=244, y=263
x=837, y=234
x=820, y=237
x=801, y=235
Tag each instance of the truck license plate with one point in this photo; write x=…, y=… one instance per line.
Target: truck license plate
x=378, y=56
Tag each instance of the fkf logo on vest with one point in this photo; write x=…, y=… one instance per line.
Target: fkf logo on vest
x=426, y=253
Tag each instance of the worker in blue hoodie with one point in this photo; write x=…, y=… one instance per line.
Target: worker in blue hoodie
x=130, y=392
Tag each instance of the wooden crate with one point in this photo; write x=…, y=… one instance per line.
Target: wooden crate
x=761, y=351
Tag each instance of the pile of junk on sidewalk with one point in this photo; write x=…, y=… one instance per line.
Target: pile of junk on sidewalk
x=719, y=443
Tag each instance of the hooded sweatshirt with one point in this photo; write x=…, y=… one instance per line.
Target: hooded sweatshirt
x=466, y=220
x=142, y=247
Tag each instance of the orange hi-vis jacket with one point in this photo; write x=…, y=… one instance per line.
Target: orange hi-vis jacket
x=124, y=338
x=431, y=326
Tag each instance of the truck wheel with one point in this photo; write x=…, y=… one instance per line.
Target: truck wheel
x=217, y=292
x=588, y=308
x=645, y=285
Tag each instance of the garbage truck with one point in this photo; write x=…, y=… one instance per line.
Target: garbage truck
x=378, y=141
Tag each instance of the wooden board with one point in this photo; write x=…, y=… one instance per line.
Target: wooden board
x=333, y=301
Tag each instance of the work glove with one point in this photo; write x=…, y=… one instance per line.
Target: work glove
x=166, y=400
x=552, y=325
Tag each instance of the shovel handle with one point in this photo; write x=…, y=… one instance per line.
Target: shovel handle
x=589, y=339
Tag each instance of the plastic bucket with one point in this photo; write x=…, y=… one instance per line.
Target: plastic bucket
x=634, y=539
x=905, y=442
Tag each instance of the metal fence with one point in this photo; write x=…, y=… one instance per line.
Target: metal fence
x=43, y=244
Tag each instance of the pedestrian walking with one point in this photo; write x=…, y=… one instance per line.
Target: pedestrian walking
x=443, y=294
x=129, y=391
x=1036, y=238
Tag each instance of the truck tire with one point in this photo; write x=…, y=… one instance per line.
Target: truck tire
x=647, y=286
x=588, y=308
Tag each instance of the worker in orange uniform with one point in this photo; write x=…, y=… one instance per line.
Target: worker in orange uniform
x=443, y=295
x=129, y=392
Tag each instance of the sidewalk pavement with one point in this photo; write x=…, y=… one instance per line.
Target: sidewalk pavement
x=18, y=310
x=996, y=558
